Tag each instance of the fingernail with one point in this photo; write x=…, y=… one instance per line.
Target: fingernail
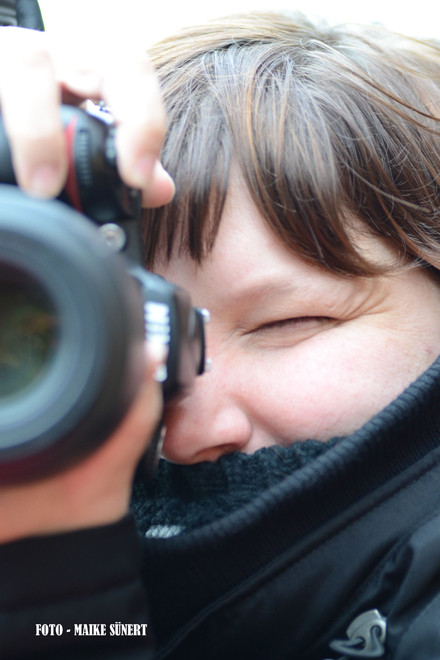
x=44, y=181
x=144, y=168
x=158, y=354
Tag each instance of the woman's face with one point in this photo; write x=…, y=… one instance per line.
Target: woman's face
x=296, y=352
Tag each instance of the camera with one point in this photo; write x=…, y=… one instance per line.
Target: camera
x=76, y=305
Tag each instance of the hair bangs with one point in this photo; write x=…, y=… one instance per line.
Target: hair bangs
x=189, y=223
x=287, y=152
x=317, y=124
x=264, y=119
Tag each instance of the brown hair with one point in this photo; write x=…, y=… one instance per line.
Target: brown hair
x=324, y=123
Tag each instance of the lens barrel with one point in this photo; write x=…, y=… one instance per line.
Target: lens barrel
x=71, y=336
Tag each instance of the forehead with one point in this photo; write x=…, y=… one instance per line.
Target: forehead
x=250, y=265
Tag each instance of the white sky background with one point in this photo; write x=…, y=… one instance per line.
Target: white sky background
x=147, y=21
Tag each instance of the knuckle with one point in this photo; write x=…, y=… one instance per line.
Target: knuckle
x=38, y=136
x=30, y=153
x=36, y=58
x=27, y=48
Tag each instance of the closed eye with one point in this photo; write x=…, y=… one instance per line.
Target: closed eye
x=300, y=322
x=288, y=332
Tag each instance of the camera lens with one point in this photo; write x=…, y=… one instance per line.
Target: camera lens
x=71, y=337
x=28, y=333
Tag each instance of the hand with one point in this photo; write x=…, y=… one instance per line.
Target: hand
x=38, y=73
x=36, y=76
x=95, y=491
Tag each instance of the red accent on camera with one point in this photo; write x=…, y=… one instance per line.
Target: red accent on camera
x=71, y=186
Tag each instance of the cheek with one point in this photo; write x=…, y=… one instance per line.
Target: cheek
x=327, y=386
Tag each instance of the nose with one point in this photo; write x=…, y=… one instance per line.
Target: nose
x=210, y=421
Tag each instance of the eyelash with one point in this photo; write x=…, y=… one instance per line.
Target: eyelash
x=300, y=320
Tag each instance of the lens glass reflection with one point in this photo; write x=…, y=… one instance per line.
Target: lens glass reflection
x=27, y=331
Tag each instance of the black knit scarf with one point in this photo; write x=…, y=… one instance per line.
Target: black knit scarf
x=182, y=497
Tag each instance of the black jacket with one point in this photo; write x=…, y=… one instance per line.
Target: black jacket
x=357, y=529
x=52, y=587
x=341, y=532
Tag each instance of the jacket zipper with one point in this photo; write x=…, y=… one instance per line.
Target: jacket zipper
x=366, y=637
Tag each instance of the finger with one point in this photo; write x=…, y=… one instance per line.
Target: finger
x=160, y=190
x=34, y=128
x=127, y=83
x=133, y=95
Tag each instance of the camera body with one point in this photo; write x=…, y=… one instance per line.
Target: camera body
x=76, y=306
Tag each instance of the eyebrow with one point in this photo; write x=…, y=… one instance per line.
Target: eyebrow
x=271, y=289
x=278, y=289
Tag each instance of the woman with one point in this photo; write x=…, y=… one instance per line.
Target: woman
x=306, y=220
x=302, y=521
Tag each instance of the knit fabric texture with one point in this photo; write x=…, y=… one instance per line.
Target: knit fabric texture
x=183, y=497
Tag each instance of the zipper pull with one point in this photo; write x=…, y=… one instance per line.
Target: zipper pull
x=366, y=637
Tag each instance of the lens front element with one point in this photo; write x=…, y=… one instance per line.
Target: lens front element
x=28, y=333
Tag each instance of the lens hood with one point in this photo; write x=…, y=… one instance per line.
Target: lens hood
x=94, y=364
